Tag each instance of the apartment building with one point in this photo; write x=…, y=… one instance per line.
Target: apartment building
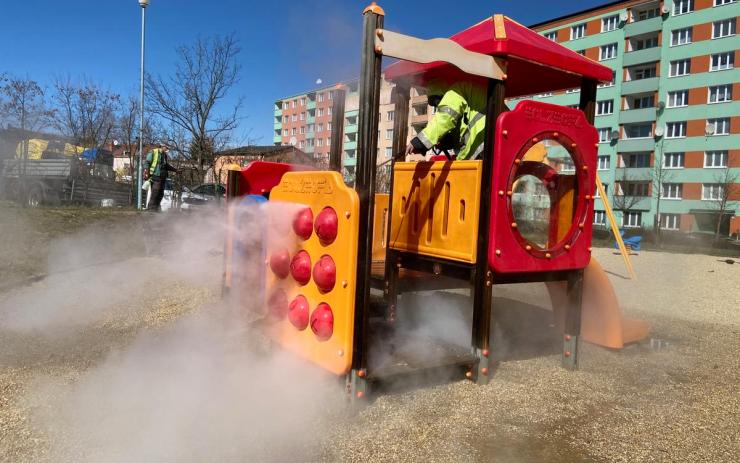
x=669, y=131
x=305, y=120
x=668, y=123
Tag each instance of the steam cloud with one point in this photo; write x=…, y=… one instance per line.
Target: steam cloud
x=203, y=388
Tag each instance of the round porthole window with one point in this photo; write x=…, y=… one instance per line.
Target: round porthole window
x=543, y=204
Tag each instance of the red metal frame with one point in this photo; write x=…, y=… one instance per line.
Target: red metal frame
x=516, y=132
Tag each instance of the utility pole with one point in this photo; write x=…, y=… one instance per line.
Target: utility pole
x=143, y=4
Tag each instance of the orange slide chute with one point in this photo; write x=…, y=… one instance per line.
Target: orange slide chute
x=602, y=322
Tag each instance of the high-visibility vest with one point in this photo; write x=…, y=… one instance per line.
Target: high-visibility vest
x=462, y=107
x=155, y=161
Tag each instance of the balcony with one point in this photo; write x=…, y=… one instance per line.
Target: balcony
x=350, y=128
x=420, y=119
x=419, y=100
x=278, y=112
x=310, y=135
x=277, y=139
x=277, y=126
x=633, y=145
x=647, y=55
x=640, y=86
x=350, y=145
x=643, y=27
x=311, y=104
x=310, y=120
x=637, y=115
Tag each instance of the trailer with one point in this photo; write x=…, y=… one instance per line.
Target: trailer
x=522, y=213
x=60, y=181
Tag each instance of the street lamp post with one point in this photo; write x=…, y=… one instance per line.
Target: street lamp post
x=143, y=4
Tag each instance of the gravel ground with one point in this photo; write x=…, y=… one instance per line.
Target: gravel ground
x=674, y=404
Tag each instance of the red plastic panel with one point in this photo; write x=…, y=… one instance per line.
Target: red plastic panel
x=516, y=131
x=260, y=177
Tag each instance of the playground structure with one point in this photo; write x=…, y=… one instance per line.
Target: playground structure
x=520, y=214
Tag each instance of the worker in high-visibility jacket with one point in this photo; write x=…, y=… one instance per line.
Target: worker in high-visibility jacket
x=459, y=122
x=156, y=167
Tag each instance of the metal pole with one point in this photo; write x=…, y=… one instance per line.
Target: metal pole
x=141, y=108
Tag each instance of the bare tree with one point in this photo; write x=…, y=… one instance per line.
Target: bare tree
x=660, y=176
x=24, y=105
x=85, y=112
x=127, y=132
x=625, y=195
x=192, y=100
x=723, y=200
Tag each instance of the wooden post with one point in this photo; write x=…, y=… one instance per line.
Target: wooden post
x=337, y=129
x=370, y=76
x=483, y=281
x=615, y=227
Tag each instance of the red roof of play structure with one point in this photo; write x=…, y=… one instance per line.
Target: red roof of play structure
x=535, y=64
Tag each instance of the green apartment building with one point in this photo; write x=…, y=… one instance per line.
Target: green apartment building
x=669, y=131
x=669, y=125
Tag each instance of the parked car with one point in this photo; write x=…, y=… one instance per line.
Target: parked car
x=189, y=198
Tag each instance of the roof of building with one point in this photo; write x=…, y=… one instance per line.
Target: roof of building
x=269, y=153
x=535, y=64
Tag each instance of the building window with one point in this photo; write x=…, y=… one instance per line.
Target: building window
x=673, y=160
x=608, y=51
x=294, y=103
x=644, y=73
x=638, y=131
x=285, y=119
x=303, y=116
x=675, y=129
x=389, y=134
x=599, y=217
x=552, y=36
x=681, y=36
x=303, y=101
x=330, y=95
x=610, y=83
x=294, y=117
x=303, y=130
x=712, y=191
x=328, y=126
x=720, y=125
x=715, y=159
x=319, y=127
x=573, y=90
x=388, y=152
x=722, y=61
x=723, y=2
x=389, y=116
x=602, y=162
x=294, y=131
x=631, y=219
x=643, y=102
x=671, y=191
x=638, y=160
x=724, y=28
x=578, y=31
x=680, y=67
x=647, y=14
x=605, y=135
x=604, y=107
x=678, y=98
x=670, y=221
x=609, y=23
x=285, y=132
x=320, y=97
x=650, y=42
x=606, y=190
x=682, y=7
x=320, y=112
x=720, y=93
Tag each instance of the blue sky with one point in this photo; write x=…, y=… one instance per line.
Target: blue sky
x=286, y=45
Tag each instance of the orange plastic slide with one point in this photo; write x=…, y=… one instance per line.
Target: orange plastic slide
x=602, y=322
